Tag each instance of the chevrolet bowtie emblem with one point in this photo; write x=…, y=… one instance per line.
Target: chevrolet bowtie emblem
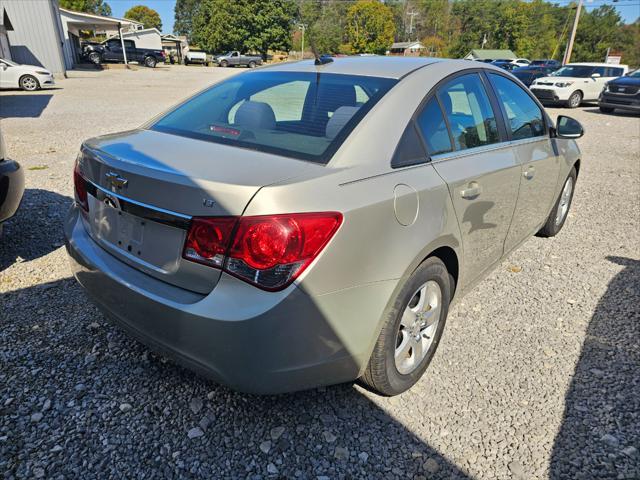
x=116, y=180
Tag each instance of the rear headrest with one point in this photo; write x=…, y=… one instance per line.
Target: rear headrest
x=334, y=96
x=255, y=115
x=339, y=119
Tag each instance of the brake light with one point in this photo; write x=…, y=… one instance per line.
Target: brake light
x=80, y=184
x=268, y=251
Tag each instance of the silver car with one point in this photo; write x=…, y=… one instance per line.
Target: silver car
x=302, y=225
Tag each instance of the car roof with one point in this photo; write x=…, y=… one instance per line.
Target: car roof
x=373, y=66
x=596, y=64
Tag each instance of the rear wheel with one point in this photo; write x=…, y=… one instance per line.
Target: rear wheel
x=412, y=330
x=252, y=64
x=224, y=63
x=575, y=99
x=560, y=210
x=607, y=109
x=29, y=83
x=150, y=62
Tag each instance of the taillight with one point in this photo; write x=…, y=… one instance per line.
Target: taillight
x=80, y=184
x=268, y=251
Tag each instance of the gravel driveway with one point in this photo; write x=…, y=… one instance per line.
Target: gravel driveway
x=537, y=375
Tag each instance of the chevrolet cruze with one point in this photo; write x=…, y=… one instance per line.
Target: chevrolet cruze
x=311, y=223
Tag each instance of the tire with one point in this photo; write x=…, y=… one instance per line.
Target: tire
x=95, y=58
x=224, y=63
x=29, y=83
x=560, y=210
x=575, y=99
x=607, y=109
x=150, y=62
x=390, y=371
x=252, y=64
x=186, y=61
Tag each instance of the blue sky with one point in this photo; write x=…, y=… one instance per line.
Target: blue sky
x=629, y=9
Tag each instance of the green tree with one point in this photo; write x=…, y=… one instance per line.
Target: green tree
x=598, y=30
x=325, y=22
x=145, y=15
x=97, y=7
x=370, y=27
x=184, y=12
x=244, y=25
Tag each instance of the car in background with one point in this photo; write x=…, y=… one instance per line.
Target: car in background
x=576, y=83
x=25, y=77
x=195, y=55
x=111, y=51
x=11, y=185
x=546, y=62
x=521, y=62
x=237, y=59
x=622, y=93
x=528, y=74
x=505, y=65
x=321, y=217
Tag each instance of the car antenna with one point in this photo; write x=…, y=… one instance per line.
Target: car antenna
x=319, y=59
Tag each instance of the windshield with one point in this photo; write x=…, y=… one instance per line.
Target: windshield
x=302, y=115
x=578, y=71
x=635, y=74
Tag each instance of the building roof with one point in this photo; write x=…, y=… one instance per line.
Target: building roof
x=101, y=18
x=407, y=45
x=485, y=54
x=374, y=66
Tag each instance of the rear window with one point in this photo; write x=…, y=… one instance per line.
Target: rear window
x=295, y=114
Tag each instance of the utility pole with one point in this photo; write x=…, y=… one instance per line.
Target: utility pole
x=411, y=15
x=567, y=53
x=302, y=27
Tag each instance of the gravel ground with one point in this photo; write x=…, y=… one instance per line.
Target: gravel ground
x=536, y=377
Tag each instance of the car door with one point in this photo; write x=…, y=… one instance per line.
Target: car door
x=594, y=85
x=8, y=75
x=527, y=129
x=113, y=51
x=130, y=49
x=234, y=59
x=482, y=171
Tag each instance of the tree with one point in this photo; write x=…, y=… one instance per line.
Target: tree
x=184, y=12
x=97, y=7
x=370, y=27
x=145, y=15
x=244, y=25
x=325, y=22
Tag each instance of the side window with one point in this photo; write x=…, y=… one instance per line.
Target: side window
x=469, y=112
x=434, y=129
x=615, y=72
x=601, y=70
x=234, y=54
x=129, y=44
x=409, y=150
x=114, y=44
x=525, y=119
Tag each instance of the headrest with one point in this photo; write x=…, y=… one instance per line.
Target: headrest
x=338, y=120
x=255, y=115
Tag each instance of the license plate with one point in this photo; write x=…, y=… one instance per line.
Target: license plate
x=118, y=228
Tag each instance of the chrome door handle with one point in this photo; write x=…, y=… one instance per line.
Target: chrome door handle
x=472, y=191
x=529, y=173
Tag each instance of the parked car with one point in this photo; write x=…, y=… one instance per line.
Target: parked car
x=546, y=62
x=111, y=51
x=622, y=93
x=322, y=218
x=26, y=77
x=237, y=59
x=505, y=65
x=195, y=56
x=11, y=185
x=521, y=62
x=576, y=82
x=528, y=74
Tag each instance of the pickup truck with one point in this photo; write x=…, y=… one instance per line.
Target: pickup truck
x=195, y=56
x=235, y=59
x=111, y=51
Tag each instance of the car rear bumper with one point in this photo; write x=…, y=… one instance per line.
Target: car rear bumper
x=11, y=188
x=248, y=339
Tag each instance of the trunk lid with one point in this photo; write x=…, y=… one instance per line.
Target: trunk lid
x=144, y=187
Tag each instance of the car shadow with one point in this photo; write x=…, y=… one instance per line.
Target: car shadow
x=88, y=368
x=600, y=433
x=23, y=106
x=617, y=112
x=36, y=228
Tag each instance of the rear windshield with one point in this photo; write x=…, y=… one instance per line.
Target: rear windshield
x=295, y=114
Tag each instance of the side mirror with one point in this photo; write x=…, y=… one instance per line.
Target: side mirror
x=567, y=127
x=595, y=75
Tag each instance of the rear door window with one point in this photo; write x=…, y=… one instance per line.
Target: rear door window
x=524, y=117
x=468, y=110
x=434, y=129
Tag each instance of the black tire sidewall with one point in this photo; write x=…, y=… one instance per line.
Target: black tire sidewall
x=431, y=269
x=150, y=62
x=224, y=64
x=252, y=64
x=551, y=229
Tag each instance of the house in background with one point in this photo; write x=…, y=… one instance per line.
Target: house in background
x=174, y=47
x=33, y=33
x=145, y=38
x=487, y=55
x=407, y=49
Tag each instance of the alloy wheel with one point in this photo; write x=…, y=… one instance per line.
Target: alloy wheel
x=565, y=200
x=29, y=83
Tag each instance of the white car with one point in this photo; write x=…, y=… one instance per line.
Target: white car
x=26, y=77
x=576, y=83
x=521, y=62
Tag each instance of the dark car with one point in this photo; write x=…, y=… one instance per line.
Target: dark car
x=528, y=74
x=622, y=93
x=546, y=62
x=111, y=51
x=505, y=65
x=11, y=185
